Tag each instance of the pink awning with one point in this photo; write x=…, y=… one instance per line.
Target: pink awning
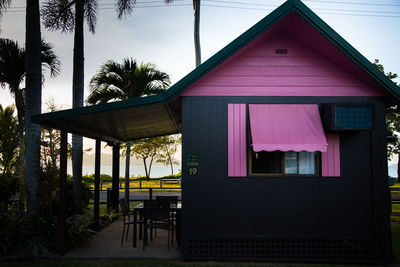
x=286, y=127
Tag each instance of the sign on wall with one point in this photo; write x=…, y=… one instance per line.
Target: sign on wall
x=192, y=164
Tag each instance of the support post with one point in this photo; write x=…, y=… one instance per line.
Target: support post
x=62, y=207
x=96, y=206
x=115, y=176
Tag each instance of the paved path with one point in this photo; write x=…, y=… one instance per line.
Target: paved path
x=107, y=245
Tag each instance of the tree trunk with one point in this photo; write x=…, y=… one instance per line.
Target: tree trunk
x=52, y=148
x=145, y=169
x=20, y=105
x=77, y=101
x=398, y=169
x=151, y=163
x=33, y=82
x=170, y=162
x=197, y=48
x=127, y=174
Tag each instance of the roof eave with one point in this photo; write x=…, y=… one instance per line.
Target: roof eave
x=347, y=48
x=86, y=110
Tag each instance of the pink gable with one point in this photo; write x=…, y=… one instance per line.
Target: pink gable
x=259, y=70
x=286, y=127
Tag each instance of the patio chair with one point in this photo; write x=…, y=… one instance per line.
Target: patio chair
x=156, y=215
x=170, y=199
x=127, y=220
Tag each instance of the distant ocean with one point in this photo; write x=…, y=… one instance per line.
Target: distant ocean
x=392, y=170
x=135, y=170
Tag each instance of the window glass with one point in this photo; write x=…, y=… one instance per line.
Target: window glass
x=290, y=162
x=266, y=162
x=307, y=162
x=284, y=163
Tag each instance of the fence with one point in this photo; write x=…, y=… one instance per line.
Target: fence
x=141, y=192
x=395, y=198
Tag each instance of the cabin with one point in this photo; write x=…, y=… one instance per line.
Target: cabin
x=283, y=145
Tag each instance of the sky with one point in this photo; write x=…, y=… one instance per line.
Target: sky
x=163, y=34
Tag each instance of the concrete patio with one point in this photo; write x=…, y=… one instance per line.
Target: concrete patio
x=107, y=245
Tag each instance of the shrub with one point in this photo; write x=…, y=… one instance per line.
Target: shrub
x=8, y=188
x=78, y=231
x=39, y=236
x=87, y=195
x=49, y=192
x=12, y=231
x=90, y=178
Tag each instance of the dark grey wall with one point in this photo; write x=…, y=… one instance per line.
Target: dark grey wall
x=215, y=205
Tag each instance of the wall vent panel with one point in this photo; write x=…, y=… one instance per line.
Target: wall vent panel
x=326, y=250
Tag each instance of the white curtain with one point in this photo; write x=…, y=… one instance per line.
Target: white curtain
x=307, y=162
x=291, y=162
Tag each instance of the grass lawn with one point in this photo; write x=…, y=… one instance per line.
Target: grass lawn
x=395, y=219
x=162, y=263
x=396, y=241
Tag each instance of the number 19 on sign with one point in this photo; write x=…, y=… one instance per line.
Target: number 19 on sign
x=192, y=164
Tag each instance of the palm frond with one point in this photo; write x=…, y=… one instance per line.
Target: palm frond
x=4, y=4
x=58, y=15
x=50, y=59
x=104, y=95
x=109, y=74
x=91, y=9
x=129, y=80
x=12, y=64
x=124, y=7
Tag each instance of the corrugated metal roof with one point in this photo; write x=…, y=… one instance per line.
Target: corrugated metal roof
x=118, y=121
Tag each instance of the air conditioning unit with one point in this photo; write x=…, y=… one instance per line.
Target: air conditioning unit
x=347, y=117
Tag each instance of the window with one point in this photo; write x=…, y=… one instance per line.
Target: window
x=266, y=162
x=276, y=128
x=289, y=163
x=242, y=160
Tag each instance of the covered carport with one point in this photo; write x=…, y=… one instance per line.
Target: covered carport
x=114, y=123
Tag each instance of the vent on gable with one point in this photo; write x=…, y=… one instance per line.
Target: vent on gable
x=281, y=51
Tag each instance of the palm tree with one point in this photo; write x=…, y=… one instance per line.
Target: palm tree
x=8, y=139
x=33, y=83
x=116, y=81
x=12, y=73
x=196, y=30
x=126, y=7
x=68, y=16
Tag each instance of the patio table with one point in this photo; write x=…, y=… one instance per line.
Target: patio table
x=138, y=209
